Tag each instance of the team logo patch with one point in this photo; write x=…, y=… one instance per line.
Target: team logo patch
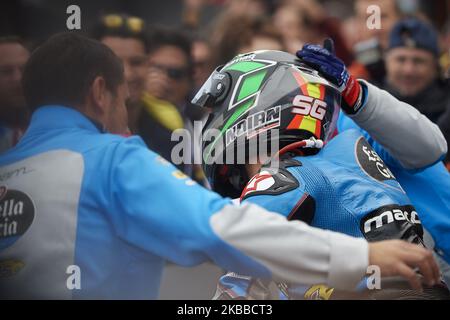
x=16, y=215
x=392, y=222
x=260, y=182
x=371, y=164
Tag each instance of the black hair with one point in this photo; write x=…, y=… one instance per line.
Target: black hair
x=63, y=68
x=161, y=37
x=13, y=40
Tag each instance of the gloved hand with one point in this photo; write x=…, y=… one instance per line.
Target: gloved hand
x=324, y=60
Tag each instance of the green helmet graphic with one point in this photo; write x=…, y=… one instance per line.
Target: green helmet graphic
x=254, y=100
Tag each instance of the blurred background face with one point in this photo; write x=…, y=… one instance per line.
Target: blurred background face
x=201, y=56
x=13, y=57
x=287, y=22
x=255, y=8
x=410, y=70
x=296, y=31
x=262, y=43
x=132, y=53
x=168, y=75
x=389, y=16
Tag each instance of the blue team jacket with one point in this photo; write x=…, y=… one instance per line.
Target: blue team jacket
x=74, y=202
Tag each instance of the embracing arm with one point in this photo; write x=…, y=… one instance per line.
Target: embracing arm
x=156, y=208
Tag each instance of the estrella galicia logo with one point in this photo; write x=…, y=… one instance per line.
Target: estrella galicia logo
x=371, y=163
x=16, y=215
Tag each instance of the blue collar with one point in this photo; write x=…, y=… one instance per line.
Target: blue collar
x=53, y=117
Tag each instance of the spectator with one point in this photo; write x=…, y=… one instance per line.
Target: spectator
x=235, y=34
x=412, y=68
x=412, y=65
x=198, y=14
x=155, y=108
x=307, y=21
x=298, y=22
x=13, y=111
x=251, y=8
x=356, y=27
x=127, y=38
x=169, y=83
x=367, y=43
x=202, y=60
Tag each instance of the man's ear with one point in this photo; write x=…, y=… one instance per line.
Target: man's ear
x=99, y=95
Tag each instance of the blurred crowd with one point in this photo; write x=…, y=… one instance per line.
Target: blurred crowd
x=168, y=57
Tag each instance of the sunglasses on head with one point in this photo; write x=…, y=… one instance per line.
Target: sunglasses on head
x=115, y=21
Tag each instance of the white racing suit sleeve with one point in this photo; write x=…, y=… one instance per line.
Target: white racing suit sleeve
x=159, y=210
x=293, y=251
x=406, y=134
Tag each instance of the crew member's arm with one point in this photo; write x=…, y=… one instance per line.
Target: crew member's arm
x=156, y=208
x=278, y=190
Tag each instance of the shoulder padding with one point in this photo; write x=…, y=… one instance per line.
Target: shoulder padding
x=272, y=180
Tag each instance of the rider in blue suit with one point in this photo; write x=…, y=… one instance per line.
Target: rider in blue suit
x=348, y=186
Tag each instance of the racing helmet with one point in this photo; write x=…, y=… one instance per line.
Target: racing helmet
x=261, y=96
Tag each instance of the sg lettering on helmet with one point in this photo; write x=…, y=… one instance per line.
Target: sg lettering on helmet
x=306, y=105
